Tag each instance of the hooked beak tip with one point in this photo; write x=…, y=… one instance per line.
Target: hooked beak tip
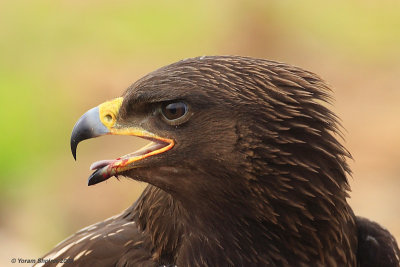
x=88, y=126
x=73, y=149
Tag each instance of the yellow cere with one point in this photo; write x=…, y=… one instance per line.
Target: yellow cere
x=108, y=111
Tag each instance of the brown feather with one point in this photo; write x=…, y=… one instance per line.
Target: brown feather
x=260, y=178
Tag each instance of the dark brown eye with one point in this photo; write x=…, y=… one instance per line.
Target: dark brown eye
x=174, y=111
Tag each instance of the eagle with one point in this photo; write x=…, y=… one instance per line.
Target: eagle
x=244, y=167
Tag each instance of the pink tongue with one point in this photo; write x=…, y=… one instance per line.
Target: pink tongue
x=100, y=164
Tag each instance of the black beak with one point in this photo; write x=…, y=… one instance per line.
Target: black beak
x=88, y=126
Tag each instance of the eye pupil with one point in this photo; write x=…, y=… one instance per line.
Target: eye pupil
x=173, y=111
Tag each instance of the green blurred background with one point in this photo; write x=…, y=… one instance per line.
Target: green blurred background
x=60, y=58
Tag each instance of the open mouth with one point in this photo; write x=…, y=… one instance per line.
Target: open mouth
x=104, y=169
x=102, y=120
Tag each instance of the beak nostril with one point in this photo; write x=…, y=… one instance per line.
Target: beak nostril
x=108, y=111
x=108, y=118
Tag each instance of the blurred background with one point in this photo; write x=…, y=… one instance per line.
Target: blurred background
x=61, y=58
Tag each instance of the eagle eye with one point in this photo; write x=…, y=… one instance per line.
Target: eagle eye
x=173, y=112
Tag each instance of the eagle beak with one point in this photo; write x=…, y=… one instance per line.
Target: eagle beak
x=96, y=122
x=102, y=120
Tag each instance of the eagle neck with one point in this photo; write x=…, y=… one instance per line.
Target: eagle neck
x=179, y=237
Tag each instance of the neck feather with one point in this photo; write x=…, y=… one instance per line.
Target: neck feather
x=283, y=236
